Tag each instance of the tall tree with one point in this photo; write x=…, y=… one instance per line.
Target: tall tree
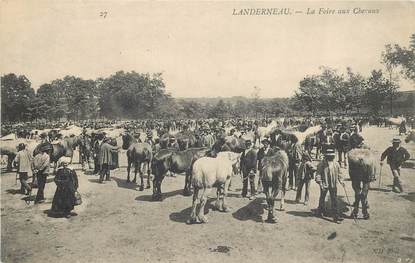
x=16, y=97
x=378, y=89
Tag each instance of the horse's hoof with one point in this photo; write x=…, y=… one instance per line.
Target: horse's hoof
x=282, y=208
x=134, y=181
x=203, y=220
x=148, y=187
x=141, y=188
x=225, y=210
x=191, y=221
x=128, y=181
x=271, y=220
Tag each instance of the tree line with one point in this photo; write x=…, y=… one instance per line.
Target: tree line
x=135, y=95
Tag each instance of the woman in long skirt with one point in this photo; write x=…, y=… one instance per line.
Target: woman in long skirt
x=66, y=184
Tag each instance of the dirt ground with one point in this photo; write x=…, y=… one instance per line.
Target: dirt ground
x=118, y=223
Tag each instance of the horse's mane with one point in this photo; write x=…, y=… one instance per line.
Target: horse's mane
x=280, y=157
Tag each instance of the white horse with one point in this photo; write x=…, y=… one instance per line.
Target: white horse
x=208, y=173
x=261, y=132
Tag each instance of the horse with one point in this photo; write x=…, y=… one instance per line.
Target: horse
x=85, y=151
x=137, y=154
x=274, y=172
x=362, y=171
x=176, y=162
x=233, y=144
x=261, y=132
x=185, y=139
x=9, y=148
x=60, y=149
x=208, y=173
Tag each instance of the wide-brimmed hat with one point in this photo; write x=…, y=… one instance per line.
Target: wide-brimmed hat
x=396, y=140
x=330, y=152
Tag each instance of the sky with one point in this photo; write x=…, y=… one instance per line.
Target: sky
x=202, y=48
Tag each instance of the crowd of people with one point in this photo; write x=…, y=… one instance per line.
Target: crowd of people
x=329, y=146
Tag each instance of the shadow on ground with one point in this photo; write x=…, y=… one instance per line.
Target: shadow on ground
x=149, y=198
x=122, y=183
x=410, y=196
x=184, y=215
x=252, y=211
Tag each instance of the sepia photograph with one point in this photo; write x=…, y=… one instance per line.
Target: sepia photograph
x=207, y=131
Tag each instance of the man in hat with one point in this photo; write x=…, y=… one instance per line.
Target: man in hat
x=327, y=176
x=106, y=159
x=305, y=174
x=396, y=156
x=248, y=171
x=23, y=160
x=41, y=165
x=294, y=156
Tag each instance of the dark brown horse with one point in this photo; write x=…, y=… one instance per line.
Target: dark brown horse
x=60, y=149
x=362, y=171
x=176, y=162
x=274, y=173
x=137, y=154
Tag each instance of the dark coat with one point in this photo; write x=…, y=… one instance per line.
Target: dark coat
x=395, y=157
x=66, y=184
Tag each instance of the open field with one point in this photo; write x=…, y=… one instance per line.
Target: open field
x=118, y=223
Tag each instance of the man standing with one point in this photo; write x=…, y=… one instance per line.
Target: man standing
x=327, y=176
x=248, y=169
x=23, y=160
x=41, y=164
x=305, y=174
x=396, y=156
x=294, y=157
x=106, y=159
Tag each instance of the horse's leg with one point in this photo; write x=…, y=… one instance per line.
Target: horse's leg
x=140, y=171
x=155, y=187
x=203, y=201
x=148, y=175
x=136, y=169
x=282, y=188
x=128, y=170
x=269, y=199
x=365, y=191
x=218, y=204
x=357, y=195
x=222, y=195
x=196, y=200
x=187, y=182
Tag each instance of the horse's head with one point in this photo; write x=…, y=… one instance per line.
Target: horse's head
x=127, y=140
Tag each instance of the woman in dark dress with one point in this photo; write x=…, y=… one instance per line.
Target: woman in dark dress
x=66, y=184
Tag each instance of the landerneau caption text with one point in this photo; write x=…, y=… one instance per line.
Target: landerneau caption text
x=307, y=11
